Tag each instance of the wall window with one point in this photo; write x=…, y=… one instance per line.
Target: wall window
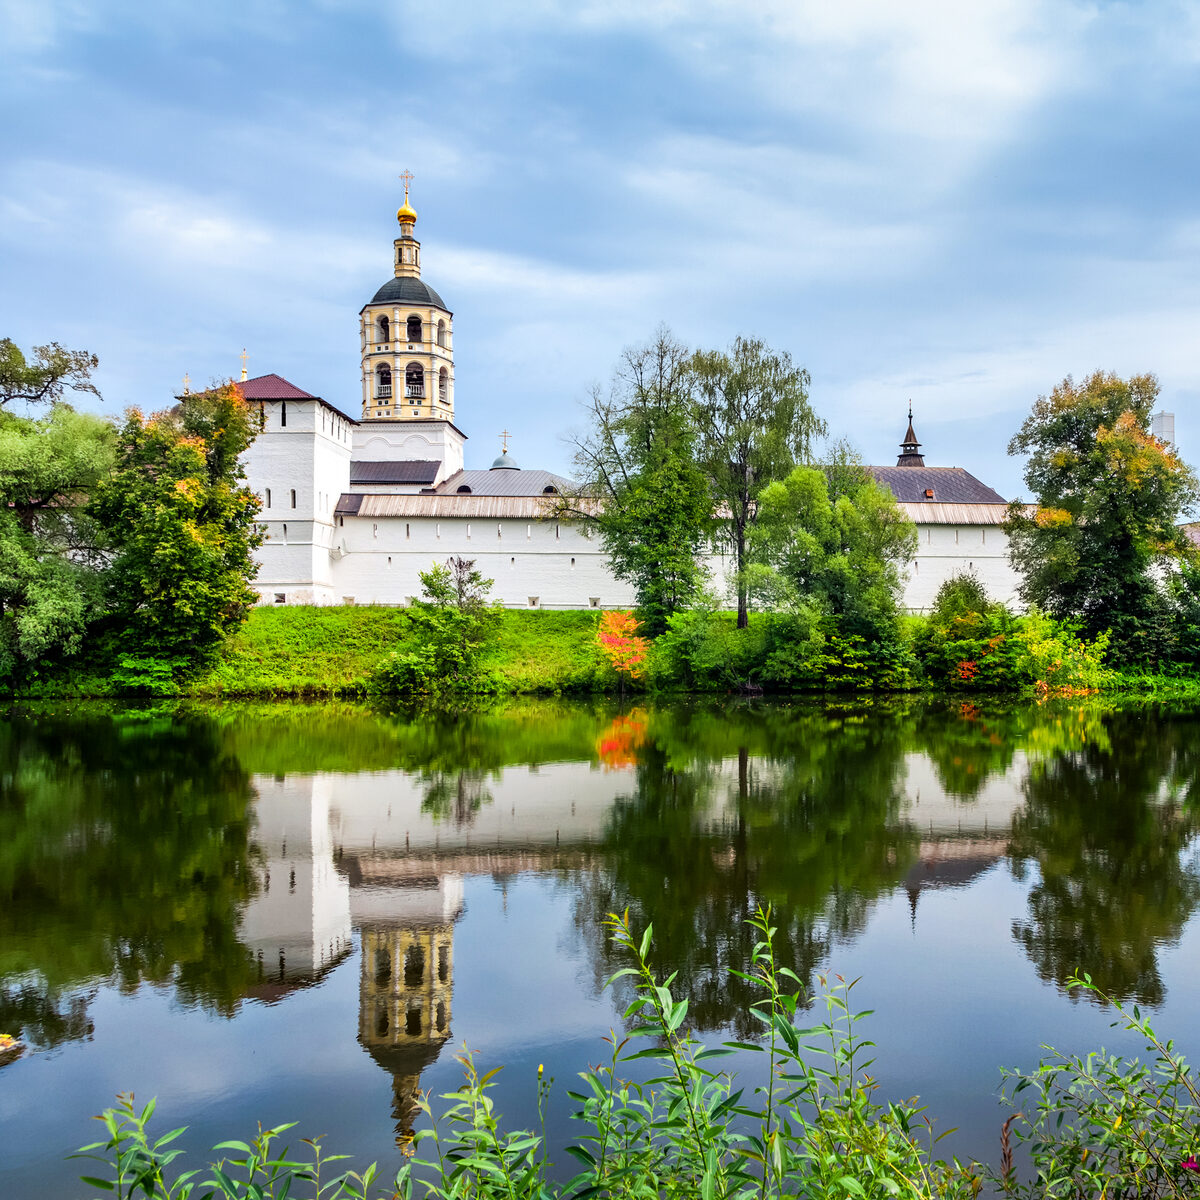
x=293, y=497
x=285, y=535
x=283, y=412
x=280, y=597
x=441, y=333
x=407, y=529
x=443, y=384
x=375, y=530
x=414, y=328
x=268, y=497
x=499, y=532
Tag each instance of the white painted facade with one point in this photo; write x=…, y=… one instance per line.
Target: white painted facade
x=355, y=509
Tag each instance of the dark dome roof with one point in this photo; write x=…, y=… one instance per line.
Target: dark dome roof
x=406, y=289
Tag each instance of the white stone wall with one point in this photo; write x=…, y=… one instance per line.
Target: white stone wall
x=946, y=550
x=400, y=441
x=552, y=564
x=303, y=467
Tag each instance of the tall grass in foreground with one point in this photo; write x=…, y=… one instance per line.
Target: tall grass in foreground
x=814, y=1126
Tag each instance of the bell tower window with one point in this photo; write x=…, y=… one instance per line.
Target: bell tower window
x=383, y=381
x=384, y=326
x=443, y=385
x=414, y=329
x=442, y=333
x=414, y=381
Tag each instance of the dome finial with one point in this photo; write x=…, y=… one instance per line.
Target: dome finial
x=504, y=462
x=406, y=214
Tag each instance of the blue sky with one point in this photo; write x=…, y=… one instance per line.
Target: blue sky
x=953, y=203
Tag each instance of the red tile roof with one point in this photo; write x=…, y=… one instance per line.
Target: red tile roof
x=273, y=387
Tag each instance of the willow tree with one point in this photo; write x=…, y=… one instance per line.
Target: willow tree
x=755, y=426
x=1109, y=497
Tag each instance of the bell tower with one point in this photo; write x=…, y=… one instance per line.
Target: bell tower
x=407, y=338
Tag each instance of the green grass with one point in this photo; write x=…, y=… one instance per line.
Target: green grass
x=331, y=651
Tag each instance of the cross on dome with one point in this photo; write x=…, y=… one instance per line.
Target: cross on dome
x=406, y=214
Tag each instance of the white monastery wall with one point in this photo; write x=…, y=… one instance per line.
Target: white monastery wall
x=946, y=550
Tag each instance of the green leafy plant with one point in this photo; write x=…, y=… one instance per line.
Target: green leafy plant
x=1099, y=1125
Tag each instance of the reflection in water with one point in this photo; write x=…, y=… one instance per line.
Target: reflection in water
x=233, y=855
x=1108, y=824
x=125, y=855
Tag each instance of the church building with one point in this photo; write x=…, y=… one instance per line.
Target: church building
x=355, y=508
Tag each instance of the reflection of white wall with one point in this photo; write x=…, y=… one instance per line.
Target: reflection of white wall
x=302, y=910
x=412, y=905
x=934, y=811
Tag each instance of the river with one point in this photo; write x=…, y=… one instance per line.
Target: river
x=304, y=913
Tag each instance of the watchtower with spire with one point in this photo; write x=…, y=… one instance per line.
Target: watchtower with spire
x=910, y=448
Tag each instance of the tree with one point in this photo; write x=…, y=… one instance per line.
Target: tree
x=1109, y=498
x=49, y=566
x=181, y=524
x=755, y=425
x=840, y=539
x=52, y=372
x=641, y=487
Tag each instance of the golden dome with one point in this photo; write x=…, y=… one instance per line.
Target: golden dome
x=406, y=214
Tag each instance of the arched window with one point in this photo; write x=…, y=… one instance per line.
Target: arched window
x=414, y=328
x=383, y=382
x=550, y=490
x=443, y=384
x=464, y=490
x=441, y=333
x=414, y=381
x=384, y=327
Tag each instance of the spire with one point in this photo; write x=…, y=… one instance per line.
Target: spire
x=245, y=356
x=910, y=447
x=408, y=249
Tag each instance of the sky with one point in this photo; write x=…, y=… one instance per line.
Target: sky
x=953, y=204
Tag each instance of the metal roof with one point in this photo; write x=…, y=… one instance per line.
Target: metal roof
x=949, y=485
x=502, y=481
x=445, y=507
x=932, y=513
x=275, y=387
x=415, y=470
x=407, y=289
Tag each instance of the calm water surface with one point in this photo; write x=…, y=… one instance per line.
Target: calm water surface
x=290, y=913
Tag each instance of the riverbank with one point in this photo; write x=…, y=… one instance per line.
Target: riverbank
x=323, y=653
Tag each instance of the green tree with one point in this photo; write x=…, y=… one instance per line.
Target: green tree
x=641, y=486
x=840, y=539
x=1109, y=498
x=755, y=425
x=45, y=379
x=181, y=525
x=48, y=566
x=50, y=572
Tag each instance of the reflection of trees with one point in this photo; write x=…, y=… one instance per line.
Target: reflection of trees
x=124, y=853
x=1107, y=824
x=455, y=795
x=701, y=842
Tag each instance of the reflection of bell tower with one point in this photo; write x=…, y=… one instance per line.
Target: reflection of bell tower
x=405, y=990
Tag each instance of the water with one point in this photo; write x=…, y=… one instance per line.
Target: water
x=292, y=913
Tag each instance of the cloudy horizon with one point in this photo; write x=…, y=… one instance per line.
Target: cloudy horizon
x=949, y=204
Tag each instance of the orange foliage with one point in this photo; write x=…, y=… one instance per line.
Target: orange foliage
x=619, y=643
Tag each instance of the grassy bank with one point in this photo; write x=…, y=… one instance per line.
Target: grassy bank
x=331, y=652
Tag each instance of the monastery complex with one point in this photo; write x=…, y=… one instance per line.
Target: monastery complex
x=356, y=508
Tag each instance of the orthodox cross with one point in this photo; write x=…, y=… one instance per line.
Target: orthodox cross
x=407, y=177
x=245, y=356
x=504, y=436
x=187, y=384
